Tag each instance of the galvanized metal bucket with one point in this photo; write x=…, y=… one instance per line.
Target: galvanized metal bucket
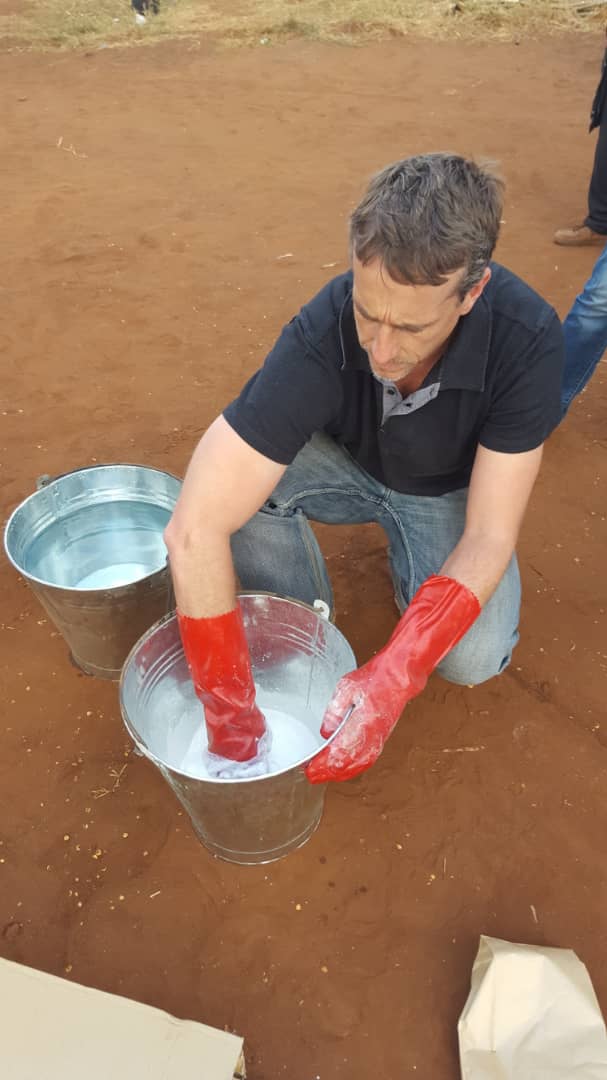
x=90, y=545
x=297, y=658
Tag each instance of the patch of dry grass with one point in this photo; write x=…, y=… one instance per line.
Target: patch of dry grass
x=73, y=23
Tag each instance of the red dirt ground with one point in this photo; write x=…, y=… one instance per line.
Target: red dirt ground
x=142, y=283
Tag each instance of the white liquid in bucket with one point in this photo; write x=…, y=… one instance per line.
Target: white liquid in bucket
x=291, y=741
x=112, y=577
x=100, y=547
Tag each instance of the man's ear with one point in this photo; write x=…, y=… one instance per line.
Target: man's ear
x=473, y=294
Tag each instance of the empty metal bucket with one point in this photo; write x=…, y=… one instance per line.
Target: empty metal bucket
x=90, y=545
x=297, y=657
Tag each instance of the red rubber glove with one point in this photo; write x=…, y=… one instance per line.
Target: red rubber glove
x=440, y=613
x=218, y=657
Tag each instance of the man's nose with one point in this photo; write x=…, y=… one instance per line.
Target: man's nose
x=382, y=349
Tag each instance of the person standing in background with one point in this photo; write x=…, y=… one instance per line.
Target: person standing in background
x=594, y=229
x=143, y=7
x=585, y=333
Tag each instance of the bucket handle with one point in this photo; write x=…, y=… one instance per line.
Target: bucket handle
x=45, y=479
x=343, y=722
x=323, y=609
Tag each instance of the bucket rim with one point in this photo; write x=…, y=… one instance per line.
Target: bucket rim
x=294, y=766
x=99, y=466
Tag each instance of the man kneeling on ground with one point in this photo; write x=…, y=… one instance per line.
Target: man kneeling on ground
x=415, y=391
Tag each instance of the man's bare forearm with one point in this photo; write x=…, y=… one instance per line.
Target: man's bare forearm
x=203, y=572
x=225, y=484
x=479, y=562
x=499, y=492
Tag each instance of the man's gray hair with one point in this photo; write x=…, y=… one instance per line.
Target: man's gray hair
x=426, y=216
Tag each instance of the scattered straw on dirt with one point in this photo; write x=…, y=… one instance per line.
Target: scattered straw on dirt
x=93, y=23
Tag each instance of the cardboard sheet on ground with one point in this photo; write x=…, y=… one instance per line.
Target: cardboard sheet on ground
x=531, y=1014
x=53, y=1029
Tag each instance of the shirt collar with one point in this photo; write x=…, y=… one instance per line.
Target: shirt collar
x=464, y=362
x=352, y=353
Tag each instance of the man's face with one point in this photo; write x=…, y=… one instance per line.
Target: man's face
x=403, y=326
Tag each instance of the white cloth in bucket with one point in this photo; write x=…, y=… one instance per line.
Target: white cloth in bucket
x=287, y=740
x=220, y=768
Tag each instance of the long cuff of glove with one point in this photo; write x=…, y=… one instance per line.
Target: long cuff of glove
x=439, y=615
x=218, y=657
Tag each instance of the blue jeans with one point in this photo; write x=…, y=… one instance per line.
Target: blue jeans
x=276, y=551
x=585, y=331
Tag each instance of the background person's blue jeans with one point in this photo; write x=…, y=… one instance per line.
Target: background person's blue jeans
x=276, y=551
x=585, y=332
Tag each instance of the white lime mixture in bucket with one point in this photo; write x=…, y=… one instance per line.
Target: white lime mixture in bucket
x=290, y=740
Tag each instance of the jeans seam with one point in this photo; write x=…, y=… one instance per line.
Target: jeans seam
x=313, y=560
x=407, y=548
x=350, y=492
x=380, y=502
x=580, y=384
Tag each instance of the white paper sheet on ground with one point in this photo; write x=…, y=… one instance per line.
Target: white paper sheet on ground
x=55, y=1029
x=531, y=1014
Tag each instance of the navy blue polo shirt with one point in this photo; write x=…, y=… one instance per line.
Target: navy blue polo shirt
x=497, y=384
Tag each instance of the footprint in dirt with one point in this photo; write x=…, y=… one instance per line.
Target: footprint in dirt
x=14, y=942
x=12, y=931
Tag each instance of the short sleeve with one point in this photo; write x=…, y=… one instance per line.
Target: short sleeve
x=296, y=393
x=526, y=400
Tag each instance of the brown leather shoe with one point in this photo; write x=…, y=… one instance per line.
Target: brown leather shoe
x=578, y=236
